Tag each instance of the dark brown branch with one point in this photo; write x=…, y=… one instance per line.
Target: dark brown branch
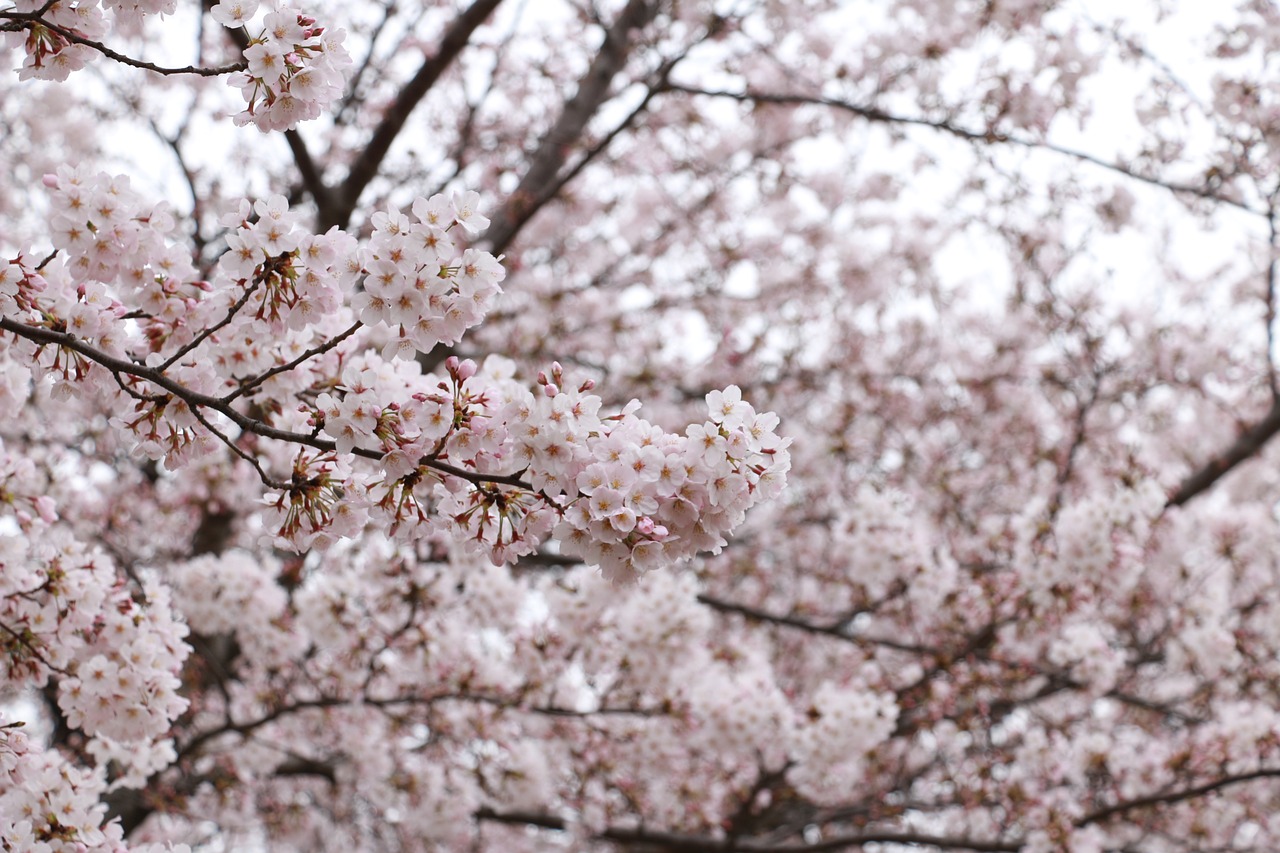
x=1273, y=246
x=210, y=331
x=1171, y=797
x=337, y=210
x=508, y=703
x=986, y=137
x=319, y=349
x=837, y=630
x=1248, y=443
x=670, y=842
x=918, y=839
x=544, y=821
x=312, y=180
x=300, y=765
x=1251, y=440
x=26, y=20
x=553, y=188
x=975, y=645
x=21, y=640
x=553, y=150
x=196, y=400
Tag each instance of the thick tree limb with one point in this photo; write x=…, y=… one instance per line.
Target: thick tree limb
x=1248, y=443
x=337, y=209
x=672, y=842
x=553, y=150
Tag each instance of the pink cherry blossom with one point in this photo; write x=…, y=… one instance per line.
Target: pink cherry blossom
x=699, y=425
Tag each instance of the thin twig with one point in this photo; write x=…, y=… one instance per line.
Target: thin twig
x=320, y=349
x=196, y=399
x=987, y=137
x=212, y=330
x=1171, y=797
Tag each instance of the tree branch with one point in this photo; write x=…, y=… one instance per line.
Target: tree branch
x=337, y=210
x=553, y=150
x=836, y=630
x=874, y=114
x=671, y=842
x=27, y=20
x=1248, y=443
x=1171, y=797
x=195, y=400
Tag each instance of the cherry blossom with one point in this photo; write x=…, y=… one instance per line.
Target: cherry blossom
x=638, y=425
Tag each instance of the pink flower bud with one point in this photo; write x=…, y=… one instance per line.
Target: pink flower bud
x=45, y=507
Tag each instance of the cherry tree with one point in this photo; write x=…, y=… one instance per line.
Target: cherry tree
x=639, y=425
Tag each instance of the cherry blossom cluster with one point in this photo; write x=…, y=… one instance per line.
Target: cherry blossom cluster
x=421, y=281
x=64, y=613
x=295, y=66
x=1084, y=651
x=412, y=275
x=106, y=233
x=499, y=466
x=1093, y=543
x=125, y=685
x=615, y=490
x=49, y=805
x=834, y=736
x=236, y=593
x=114, y=652
x=650, y=644
x=878, y=540
x=293, y=280
x=640, y=497
x=658, y=623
